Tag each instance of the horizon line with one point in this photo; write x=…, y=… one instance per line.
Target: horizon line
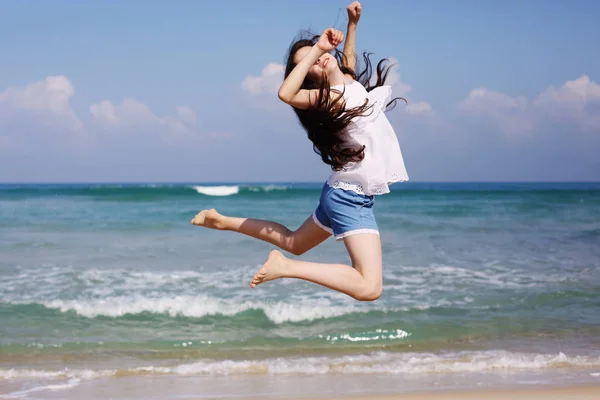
x=276, y=182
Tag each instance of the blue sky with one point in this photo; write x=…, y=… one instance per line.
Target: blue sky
x=186, y=90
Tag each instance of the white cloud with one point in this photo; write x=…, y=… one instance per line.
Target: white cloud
x=40, y=112
x=268, y=82
x=186, y=114
x=48, y=100
x=403, y=89
x=399, y=88
x=576, y=102
x=573, y=94
x=505, y=111
x=486, y=101
x=132, y=115
x=420, y=108
x=104, y=111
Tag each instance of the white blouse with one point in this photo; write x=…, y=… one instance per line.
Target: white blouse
x=382, y=164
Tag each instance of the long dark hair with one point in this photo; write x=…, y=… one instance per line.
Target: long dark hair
x=326, y=120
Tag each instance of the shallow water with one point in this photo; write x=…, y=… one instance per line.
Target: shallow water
x=111, y=281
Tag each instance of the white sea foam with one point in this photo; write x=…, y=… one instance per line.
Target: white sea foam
x=389, y=363
x=217, y=190
x=374, y=363
x=71, y=383
x=47, y=282
x=120, y=291
x=200, y=306
x=267, y=188
x=411, y=286
x=441, y=276
x=176, y=293
x=14, y=373
x=380, y=334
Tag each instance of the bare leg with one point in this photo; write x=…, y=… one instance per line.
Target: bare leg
x=363, y=281
x=296, y=242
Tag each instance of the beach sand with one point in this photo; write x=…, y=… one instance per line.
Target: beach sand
x=541, y=393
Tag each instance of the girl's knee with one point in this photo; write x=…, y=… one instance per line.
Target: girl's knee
x=297, y=250
x=370, y=292
x=300, y=242
x=294, y=245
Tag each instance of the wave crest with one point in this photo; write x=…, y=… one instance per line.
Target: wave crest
x=217, y=190
x=200, y=306
x=373, y=363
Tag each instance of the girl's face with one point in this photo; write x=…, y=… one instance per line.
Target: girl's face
x=324, y=64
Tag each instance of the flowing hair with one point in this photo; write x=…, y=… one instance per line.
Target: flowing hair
x=326, y=120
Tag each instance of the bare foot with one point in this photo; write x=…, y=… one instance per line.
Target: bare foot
x=209, y=219
x=270, y=270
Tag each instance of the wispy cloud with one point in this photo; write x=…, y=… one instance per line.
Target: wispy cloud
x=47, y=101
x=267, y=82
x=576, y=102
x=132, y=115
x=42, y=110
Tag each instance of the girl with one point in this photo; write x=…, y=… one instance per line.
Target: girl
x=343, y=116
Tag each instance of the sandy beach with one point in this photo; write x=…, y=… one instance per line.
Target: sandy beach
x=544, y=393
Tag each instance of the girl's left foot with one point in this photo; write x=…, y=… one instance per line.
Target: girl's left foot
x=209, y=219
x=272, y=269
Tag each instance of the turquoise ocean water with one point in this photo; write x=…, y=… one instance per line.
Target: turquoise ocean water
x=110, y=286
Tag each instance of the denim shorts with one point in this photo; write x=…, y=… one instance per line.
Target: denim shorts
x=344, y=212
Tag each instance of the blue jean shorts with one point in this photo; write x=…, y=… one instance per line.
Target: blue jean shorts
x=344, y=212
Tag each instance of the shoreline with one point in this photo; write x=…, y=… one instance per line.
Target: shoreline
x=136, y=387
x=543, y=392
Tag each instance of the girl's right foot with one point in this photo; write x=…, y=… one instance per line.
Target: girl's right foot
x=209, y=219
x=272, y=269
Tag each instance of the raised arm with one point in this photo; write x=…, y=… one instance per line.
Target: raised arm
x=290, y=91
x=349, y=51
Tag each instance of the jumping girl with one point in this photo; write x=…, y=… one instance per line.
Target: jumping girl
x=343, y=115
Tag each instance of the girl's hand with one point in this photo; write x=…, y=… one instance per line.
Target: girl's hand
x=354, y=10
x=329, y=40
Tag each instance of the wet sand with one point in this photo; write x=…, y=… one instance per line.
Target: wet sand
x=543, y=393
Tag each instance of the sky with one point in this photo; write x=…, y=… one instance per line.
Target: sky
x=186, y=91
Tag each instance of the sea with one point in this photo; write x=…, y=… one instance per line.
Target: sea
x=108, y=291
